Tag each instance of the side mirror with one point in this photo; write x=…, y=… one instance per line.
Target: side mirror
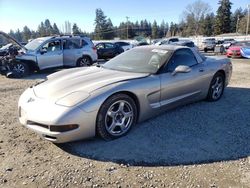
x=43, y=51
x=181, y=69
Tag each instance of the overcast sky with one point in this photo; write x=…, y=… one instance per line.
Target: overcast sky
x=16, y=14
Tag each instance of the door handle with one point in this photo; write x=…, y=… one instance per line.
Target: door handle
x=201, y=70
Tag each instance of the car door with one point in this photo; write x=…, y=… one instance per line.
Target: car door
x=110, y=50
x=72, y=51
x=181, y=88
x=100, y=50
x=50, y=54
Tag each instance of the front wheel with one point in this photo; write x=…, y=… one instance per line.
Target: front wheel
x=116, y=117
x=216, y=88
x=84, y=61
x=20, y=69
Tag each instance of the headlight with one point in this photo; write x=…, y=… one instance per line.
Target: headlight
x=73, y=98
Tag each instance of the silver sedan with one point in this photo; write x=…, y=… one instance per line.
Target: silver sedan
x=109, y=100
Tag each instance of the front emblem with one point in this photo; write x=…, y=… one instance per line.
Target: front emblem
x=30, y=100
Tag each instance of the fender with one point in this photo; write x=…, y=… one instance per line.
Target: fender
x=32, y=64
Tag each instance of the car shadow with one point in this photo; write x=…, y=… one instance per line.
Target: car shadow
x=203, y=132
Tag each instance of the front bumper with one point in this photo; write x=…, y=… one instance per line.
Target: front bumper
x=234, y=54
x=40, y=114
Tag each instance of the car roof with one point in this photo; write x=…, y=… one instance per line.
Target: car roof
x=183, y=42
x=163, y=47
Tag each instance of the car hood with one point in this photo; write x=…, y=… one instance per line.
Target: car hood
x=235, y=47
x=86, y=80
x=12, y=40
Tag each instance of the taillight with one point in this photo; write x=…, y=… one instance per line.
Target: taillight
x=94, y=48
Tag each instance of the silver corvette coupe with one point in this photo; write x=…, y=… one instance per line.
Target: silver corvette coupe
x=107, y=100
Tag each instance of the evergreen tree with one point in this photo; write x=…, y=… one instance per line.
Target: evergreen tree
x=18, y=36
x=26, y=34
x=48, y=27
x=12, y=34
x=41, y=30
x=76, y=30
x=223, y=17
x=208, y=25
x=171, y=30
x=155, y=30
x=100, y=24
x=109, y=34
x=55, y=30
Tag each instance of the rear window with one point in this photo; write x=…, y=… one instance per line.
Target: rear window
x=72, y=44
x=190, y=44
x=122, y=43
x=174, y=40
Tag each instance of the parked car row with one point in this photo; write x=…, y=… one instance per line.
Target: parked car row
x=239, y=49
x=209, y=44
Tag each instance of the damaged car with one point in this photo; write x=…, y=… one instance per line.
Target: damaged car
x=48, y=52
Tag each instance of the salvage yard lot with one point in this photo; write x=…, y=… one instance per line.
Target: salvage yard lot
x=198, y=145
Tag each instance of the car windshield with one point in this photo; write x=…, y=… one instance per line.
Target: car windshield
x=34, y=44
x=139, y=60
x=242, y=44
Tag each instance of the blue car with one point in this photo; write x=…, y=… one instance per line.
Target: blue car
x=245, y=50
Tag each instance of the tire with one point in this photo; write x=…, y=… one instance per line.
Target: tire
x=216, y=87
x=84, y=62
x=116, y=117
x=20, y=69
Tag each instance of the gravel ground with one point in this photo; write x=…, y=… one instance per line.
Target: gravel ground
x=198, y=145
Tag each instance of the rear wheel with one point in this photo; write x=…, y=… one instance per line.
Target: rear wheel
x=216, y=88
x=20, y=69
x=84, y=61
x=116, y=117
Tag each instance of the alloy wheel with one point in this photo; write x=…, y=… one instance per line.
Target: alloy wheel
x=84, y=62
x=217, y=88
x=119, y=118
x=19, y=68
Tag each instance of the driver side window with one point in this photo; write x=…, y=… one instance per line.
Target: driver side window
x=181, y=57
x=52, y=46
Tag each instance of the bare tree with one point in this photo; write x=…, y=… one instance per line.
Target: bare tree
x=194, y=13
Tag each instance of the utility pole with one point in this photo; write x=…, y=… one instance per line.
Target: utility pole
x=127, y=25
x=237, y=24
x=248, y=6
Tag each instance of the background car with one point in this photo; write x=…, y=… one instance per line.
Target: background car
x=109, y=100
x=245, y=50
x=142, y=44
x=187, y=43
x=167, y=41
x=55, y=51
x=107, y=50
x=228, y=42
x=208, y=44
x=125, y=45
x=239, y=49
